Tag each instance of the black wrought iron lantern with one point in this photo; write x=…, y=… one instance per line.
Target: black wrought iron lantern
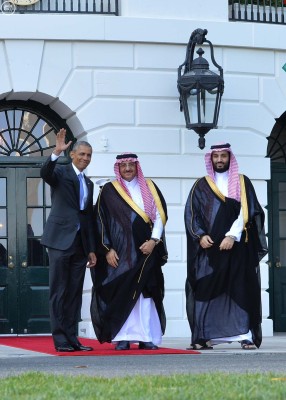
x=200, y=89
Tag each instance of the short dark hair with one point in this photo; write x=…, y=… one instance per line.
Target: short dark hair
x=81, y=143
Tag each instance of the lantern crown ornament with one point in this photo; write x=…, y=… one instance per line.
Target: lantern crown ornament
x=200, y=88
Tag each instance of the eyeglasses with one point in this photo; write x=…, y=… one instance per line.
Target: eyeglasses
x=127, y=165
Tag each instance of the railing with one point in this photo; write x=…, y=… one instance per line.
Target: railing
x=266, y=11
x=109, y=7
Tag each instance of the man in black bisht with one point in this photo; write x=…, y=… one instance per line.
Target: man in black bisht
x=225, y=242
x=128, y=284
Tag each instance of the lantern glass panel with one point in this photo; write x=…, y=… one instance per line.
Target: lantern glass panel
x=201, y=105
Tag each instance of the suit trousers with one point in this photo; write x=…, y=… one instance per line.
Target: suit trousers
x=66, y=277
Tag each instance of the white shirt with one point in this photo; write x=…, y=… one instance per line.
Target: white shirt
x=135, y=192
x=221, y=180
x=77, y=171
x=54, y=157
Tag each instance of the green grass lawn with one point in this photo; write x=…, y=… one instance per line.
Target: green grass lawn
x=217, y=386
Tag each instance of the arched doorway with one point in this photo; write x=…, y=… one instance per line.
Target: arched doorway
x=27, y=135
x=276, y=151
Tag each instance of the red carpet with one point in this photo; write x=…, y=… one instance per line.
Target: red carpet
x=44, y=344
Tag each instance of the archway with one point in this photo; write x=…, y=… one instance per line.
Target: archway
x=27, y=134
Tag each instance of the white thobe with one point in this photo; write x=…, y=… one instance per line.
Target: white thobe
x=143, y=323
x=221, y=180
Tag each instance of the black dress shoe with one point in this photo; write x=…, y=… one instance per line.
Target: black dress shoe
x=122, y=345
x=147, y=346
x=65, y=348
x=81, y=347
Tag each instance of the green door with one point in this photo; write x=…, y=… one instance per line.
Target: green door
x=24, y=283
x=277, y=247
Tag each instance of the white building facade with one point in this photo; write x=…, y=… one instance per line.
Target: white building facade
x=114, y=80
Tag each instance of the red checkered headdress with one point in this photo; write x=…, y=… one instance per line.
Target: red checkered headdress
x=233, y=175
x=148, y=200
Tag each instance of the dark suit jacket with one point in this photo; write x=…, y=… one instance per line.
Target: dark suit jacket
x=65, y=216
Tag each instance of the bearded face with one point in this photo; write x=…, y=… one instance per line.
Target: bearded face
x=220, y=161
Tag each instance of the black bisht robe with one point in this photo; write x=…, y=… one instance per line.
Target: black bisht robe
x=123, y=226
x=223, y=292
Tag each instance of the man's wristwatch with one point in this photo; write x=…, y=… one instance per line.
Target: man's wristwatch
x=155, y=240
x=231, y=236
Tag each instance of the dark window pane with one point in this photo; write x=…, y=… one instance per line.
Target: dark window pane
x=34, y=192
x=3, y=222
x=35, y=221
x=283, y=253
x=3, y=252
x=37, y=254
x=48, y=195
x=282, y=195
x=3, y=200
x=282, y=224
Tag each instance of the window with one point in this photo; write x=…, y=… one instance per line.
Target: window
x=28, y=129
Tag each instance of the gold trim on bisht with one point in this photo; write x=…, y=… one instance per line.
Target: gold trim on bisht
x=157, y=200
x=243, y=199
x=244, y=205
x=129, y=201
x=191, y=205
x=214, y=188
x=102, y=225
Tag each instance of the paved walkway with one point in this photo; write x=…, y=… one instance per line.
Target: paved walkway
x=227, y=358
x=275, y=344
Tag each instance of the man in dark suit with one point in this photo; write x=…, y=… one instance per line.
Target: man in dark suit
x=69, y=237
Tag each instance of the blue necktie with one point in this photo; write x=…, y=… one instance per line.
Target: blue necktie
x=81, y=191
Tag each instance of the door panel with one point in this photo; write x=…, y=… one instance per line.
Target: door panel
x=24, y=279
x=277, y=272
x=8, y=272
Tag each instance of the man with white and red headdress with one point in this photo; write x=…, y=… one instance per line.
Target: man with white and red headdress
x=128, y=284
x=225, y=242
